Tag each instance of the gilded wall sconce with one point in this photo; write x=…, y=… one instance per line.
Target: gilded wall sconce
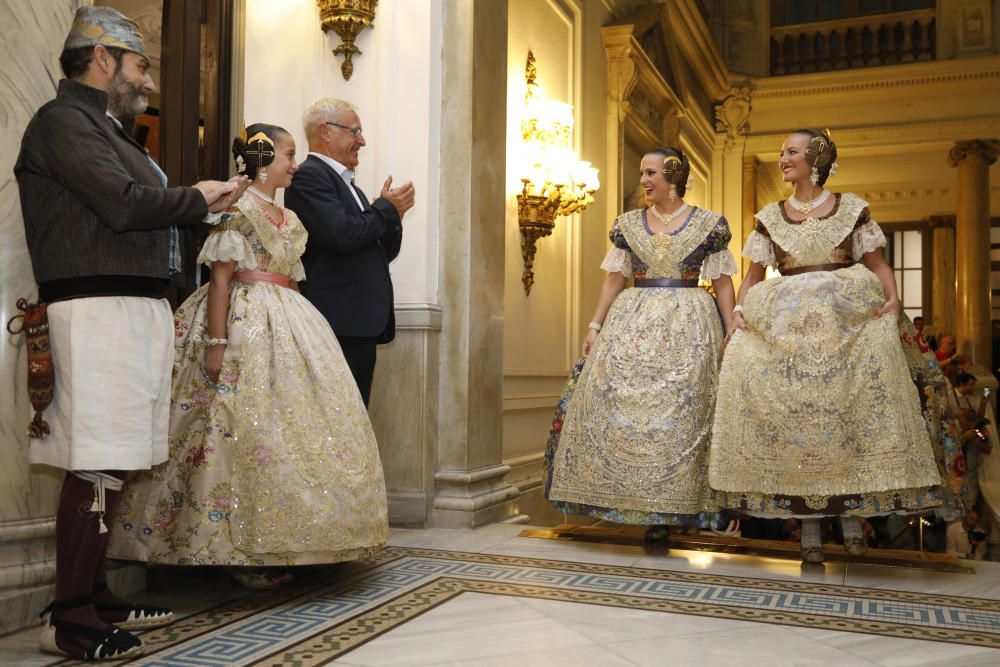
x=554, y=181
x=346, y=18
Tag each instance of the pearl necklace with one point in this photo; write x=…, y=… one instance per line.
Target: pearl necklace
x=269, y=200
x=667, y=218
x=809, y=206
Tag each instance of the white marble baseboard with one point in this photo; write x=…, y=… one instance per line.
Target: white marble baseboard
x=19, y=607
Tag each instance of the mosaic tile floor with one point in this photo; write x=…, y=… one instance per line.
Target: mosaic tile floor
x=489, y=597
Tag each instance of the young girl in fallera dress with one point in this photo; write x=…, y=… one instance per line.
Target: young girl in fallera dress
x=273, y=460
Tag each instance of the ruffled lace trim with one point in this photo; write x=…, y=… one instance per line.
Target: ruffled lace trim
x=298, y=273
x=759, y=249
x=618, y=260
x=867, y=238
x=718, y=264
x=227, y=245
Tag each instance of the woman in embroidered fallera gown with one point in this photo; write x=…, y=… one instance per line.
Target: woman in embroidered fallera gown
x=816, y=413
x=273, y=460
x=629, y=441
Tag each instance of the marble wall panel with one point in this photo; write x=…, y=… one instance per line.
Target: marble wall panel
x=29, y=71
x=29, y=52
x=404, y=414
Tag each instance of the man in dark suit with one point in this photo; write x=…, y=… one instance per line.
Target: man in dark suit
x=351, y=241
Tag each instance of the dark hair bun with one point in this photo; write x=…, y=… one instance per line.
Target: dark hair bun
x=252, y=151
x=821, y=153
x=676, y=167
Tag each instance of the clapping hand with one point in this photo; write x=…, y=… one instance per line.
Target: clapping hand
x=401, y=197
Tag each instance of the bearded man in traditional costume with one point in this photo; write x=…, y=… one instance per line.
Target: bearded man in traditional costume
x=101, y=230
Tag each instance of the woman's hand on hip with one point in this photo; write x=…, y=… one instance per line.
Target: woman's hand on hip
x=889, y=307
x=213, y=361
x=588, y=342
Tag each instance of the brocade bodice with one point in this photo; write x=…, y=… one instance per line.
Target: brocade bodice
x=699, y=248
x=842, y=236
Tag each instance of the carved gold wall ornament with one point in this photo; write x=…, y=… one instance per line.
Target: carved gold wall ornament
x=346, y=18
x=732, y=114
x=554, y=181
x=646, y=111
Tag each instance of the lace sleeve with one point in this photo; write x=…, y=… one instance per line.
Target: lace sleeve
x=759, y=249
x=866, y=237
x=228, y=245
x=298, y=273
x=618, y=260
x=718, y=264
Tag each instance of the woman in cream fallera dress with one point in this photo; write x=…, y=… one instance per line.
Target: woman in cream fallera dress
x=816, y=413
x=276, y=463
x=630, y=437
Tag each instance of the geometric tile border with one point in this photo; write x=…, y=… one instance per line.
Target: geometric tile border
x=347, y=636
x=315, y=621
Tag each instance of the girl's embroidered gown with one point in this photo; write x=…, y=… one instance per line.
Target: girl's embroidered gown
x=277, y=464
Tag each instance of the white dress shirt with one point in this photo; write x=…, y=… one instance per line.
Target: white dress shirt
x=345, y=174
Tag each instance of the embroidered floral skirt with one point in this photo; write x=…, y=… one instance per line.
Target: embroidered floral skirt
x=957, y=465
x=629, y=441
x=817, y=413
x=275, y=465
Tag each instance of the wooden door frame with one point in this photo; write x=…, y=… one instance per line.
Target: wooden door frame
x=185, y=157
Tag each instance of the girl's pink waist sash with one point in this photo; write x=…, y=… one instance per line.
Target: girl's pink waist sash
x=263, y=277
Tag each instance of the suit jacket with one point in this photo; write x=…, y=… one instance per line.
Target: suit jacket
x=348, y=252
x=93, y=204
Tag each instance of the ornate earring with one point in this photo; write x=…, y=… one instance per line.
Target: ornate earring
x=673, y=192
x=814, y=176
x=263, y=174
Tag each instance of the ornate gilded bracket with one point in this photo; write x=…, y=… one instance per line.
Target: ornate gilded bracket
x=536, y=217
x=346, y=18
x=732, y=114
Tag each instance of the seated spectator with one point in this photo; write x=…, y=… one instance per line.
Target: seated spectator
x=945, y=350
x=960, y=363
x=918, y=324
x=966, y=539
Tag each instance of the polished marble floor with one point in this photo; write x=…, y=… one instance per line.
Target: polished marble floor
x=492, y=597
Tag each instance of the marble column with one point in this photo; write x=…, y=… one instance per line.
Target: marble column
x=750, y=166
x=29, y=53
x=469, y=483
x=972, y=246
x=943, y=274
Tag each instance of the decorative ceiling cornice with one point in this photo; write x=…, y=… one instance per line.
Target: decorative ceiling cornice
x=914, y=137
x=876, y=79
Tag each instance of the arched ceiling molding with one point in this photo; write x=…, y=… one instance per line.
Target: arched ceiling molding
x=664, y=73
x=642, y=79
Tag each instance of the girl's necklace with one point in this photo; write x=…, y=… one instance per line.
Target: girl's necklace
x=269, y=200
x=808, y=206
x=667, y=218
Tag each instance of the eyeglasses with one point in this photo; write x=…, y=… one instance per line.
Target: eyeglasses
x=356, y=131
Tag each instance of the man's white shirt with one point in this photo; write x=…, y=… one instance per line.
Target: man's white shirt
x=345, y=174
